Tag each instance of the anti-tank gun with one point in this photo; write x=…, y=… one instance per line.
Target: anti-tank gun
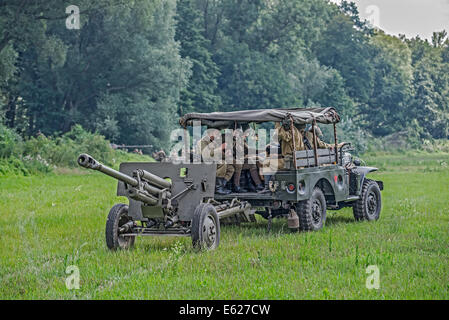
x=159, y=205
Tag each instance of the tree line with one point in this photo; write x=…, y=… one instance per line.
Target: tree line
x=134, y=66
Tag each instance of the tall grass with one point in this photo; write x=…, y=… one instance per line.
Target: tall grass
x=49, y=223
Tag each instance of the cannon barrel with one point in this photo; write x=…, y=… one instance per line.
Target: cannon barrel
x=153, y=190
x=141, y=196
x=154, y=179
x=147, y=181
x=88, y=162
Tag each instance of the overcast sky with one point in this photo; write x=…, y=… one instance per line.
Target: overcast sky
x=409, y=17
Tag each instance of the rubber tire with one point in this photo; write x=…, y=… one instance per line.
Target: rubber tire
x=202, y=211
x=112, y=224
x=305, y=214
x=360, y=206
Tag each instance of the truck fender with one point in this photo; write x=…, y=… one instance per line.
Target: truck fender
x=363, y=171
x=326, y=186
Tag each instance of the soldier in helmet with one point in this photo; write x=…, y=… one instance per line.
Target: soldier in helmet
x=286, y=139
x=290, y=140
x=209, y=147
x=241, y=148
x=308, y=138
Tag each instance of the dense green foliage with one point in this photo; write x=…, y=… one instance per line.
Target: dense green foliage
x=43, y=154
x=63, y=221
x=120, y=74
x=134, y=66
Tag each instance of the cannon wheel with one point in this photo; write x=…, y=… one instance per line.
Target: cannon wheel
x=205, y=227
x=118, y=216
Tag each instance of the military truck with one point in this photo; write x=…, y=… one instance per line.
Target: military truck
x=178, y=198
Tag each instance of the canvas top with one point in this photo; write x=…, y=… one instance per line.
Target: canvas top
x=299, y=115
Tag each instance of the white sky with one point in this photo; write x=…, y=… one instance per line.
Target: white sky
x=409, y=17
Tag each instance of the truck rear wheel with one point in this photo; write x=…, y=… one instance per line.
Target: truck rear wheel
x=117, y=217
x=312, y=212
x=370, y=203
x=205, y=227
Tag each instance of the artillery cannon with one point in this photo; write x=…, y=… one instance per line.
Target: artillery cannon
x=158, y=206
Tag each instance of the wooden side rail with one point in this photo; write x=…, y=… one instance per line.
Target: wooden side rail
x=306, y=158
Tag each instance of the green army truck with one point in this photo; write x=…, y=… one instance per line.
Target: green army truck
x=177, y=198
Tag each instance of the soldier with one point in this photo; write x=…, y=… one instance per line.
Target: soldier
x=284, y=133
x=270, y=165
x=160, y=156
x=308, y=139
x=287, y=141
x=243, y=148
x=208, y=146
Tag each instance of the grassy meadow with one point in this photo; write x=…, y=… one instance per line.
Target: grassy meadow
x=50, y=222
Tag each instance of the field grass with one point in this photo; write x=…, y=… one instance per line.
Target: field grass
x=50, y=222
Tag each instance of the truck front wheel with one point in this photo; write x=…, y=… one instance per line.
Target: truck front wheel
x=312, y=212
x=369, y=205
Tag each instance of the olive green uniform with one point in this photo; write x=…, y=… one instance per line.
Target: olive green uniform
x=224, y=170
x=245, y=166
x=285, y=139
x=320, y=144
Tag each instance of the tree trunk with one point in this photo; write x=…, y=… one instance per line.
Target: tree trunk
x=68, y=119
x=11, y=112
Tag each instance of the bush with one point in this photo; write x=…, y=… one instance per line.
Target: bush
x=63, y=151
x=434, y=146
x=13, y=166
x=24, y=167
x=406, y=141
x=10, y=142
x=42, y=154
